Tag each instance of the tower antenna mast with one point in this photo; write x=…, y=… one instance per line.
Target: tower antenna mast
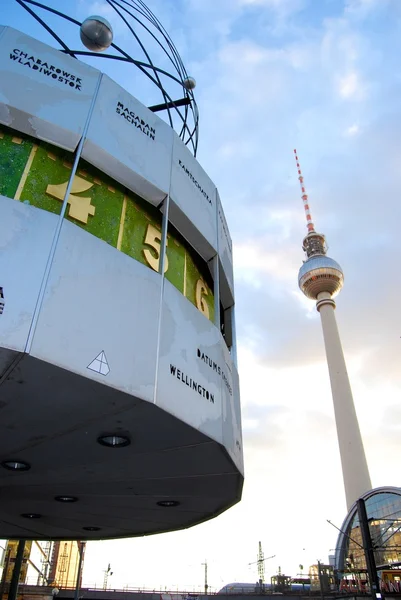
x=309, y=221
x=314, y=243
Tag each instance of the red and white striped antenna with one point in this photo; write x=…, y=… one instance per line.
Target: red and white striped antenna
x=309, y=222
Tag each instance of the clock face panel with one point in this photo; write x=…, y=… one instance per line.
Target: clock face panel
x=37, y=173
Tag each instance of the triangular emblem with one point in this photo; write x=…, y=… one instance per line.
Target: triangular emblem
x=100, y=364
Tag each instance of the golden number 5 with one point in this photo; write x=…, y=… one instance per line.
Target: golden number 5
x=153, y=239
x=200, y=292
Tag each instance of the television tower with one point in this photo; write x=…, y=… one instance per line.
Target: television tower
x=321, y=278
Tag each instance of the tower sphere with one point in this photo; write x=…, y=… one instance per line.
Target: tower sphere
x=189, y=83
x=320, y=274
x=96, y=33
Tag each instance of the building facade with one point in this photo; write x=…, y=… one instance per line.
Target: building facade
x=383, y=507
x=45, y=563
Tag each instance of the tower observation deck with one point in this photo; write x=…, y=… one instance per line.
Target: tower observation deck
x=321, y=278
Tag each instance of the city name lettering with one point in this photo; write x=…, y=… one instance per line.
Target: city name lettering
x=194, y=181
x=191, y=383
x=215, y=367
x=36, y=64
x=224, y=228
x=1, y=301
x=132, y=118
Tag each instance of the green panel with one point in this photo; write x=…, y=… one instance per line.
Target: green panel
x=107, y=197
x=176, y=261
x=13, y=158
x=38, y=174
x=50, y=166
x=138, y=217
x=194, y=274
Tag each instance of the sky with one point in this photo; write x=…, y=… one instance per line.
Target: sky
x=321, y=76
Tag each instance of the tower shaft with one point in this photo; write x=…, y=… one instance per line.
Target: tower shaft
x=354, y=466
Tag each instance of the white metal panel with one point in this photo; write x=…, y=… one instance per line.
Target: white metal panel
x=188, y=382
x=193, y=192
x=225, y=245
x=98, y=300
x=129, y=142
x=232, y=429
x=43, y=92
x=26, y=234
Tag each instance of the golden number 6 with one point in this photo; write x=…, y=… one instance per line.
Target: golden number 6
x=200, y=293
x=153, y=239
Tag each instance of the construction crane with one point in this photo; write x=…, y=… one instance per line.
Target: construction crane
x=206, y=584
x=107, y=573
x=261, y=563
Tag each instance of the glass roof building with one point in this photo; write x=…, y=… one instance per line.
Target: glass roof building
x=383, y=507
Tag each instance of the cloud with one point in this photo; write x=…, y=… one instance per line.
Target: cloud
x=350, y=86
x=260, y=104
x=363, y=8
x=352, y=130
x=282, y=7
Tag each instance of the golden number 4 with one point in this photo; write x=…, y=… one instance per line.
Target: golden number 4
x=200, y=293
x=80, y=207
x=153, y=239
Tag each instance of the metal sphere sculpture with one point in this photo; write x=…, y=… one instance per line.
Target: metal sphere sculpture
x=147, y=38
x=319, y=274
x=96, y=34
x=189, y=83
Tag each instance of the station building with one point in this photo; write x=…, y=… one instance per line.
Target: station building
x=383, y=507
